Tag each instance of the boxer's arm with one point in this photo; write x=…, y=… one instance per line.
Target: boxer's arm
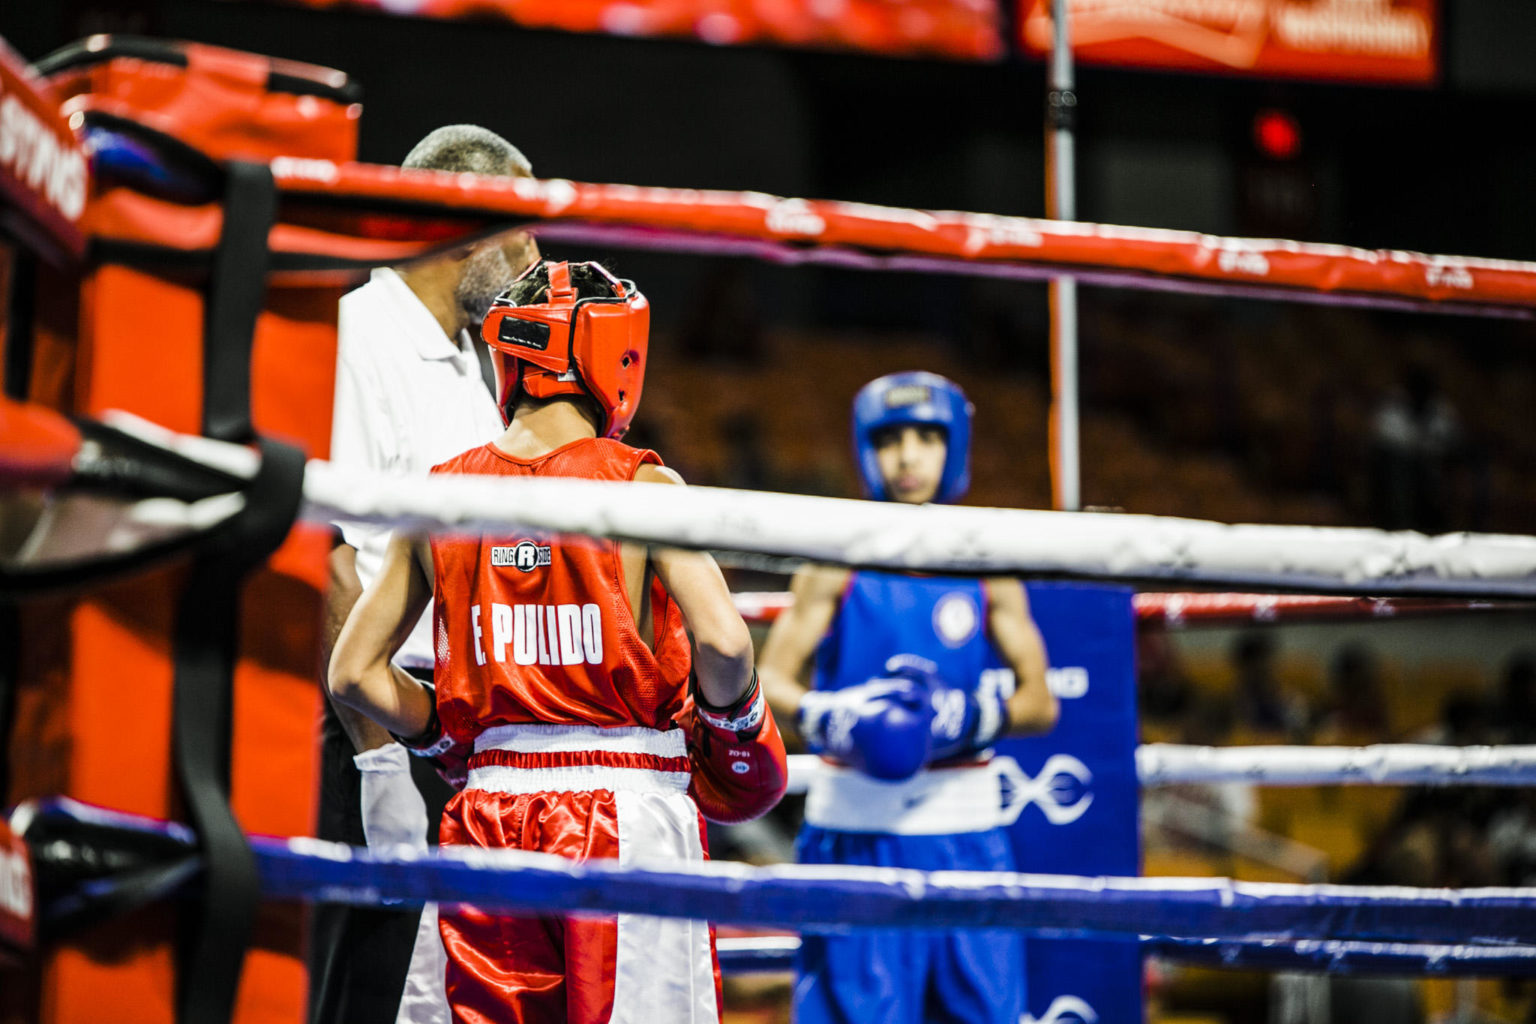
x=362, y=435
x=1032, y=708
x=722, y=644
x=361, y=674
x=340, y=595
x=734, y=747
x=796, y=633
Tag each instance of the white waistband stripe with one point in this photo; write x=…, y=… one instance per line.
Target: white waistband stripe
x=940, y=802
x=585, y=778
x=547, y=739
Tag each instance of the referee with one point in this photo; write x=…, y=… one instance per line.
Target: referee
x=413, y=388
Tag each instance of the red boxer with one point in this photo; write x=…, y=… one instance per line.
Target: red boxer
x=565, y=664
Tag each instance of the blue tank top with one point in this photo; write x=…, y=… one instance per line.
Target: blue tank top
x=942, y=618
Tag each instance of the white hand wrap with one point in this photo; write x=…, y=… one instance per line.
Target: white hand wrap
x=394, y=813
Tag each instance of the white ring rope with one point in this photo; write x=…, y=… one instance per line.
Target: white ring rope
x=1176, y=609
x=1385, y=764
x=937, y=538
x=928, y=538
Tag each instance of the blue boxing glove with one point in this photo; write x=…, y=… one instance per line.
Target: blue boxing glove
x=961, y=721
x=879, y=727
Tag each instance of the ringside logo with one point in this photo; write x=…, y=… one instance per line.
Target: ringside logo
x=1061, y=789
x=525, y=555
x=1064, y=1010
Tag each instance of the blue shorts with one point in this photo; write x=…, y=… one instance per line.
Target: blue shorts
x=903, y=976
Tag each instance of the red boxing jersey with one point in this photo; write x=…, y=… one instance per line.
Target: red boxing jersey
x=536, y=628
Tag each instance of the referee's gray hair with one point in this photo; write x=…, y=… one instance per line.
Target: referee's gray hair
x=468, y=147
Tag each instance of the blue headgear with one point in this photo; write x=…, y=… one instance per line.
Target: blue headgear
x=900, y=399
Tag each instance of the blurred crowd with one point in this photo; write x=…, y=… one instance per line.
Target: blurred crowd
x=1225, y=409
x=1452, y=837
x=1328, y=416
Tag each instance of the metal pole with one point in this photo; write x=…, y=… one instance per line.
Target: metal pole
x=1061, y=204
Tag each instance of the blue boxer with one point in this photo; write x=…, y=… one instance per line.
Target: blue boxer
x=903, y=976
x=913, y=677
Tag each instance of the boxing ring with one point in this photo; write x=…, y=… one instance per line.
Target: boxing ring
x=1314, y=927
x=180, y=492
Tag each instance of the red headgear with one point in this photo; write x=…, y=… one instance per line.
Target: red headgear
x=592, y=346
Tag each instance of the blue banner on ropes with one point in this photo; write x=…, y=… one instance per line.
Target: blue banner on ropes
x=1082, y=814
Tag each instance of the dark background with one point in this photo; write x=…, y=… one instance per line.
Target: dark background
x=1447, y=168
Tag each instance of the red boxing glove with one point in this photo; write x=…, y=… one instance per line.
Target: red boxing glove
x=737, y=756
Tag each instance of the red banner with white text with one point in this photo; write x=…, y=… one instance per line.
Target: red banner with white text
x=956, y=29
x=44, y=175
x=1388, y=41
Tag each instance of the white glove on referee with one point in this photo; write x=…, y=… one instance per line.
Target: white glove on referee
x=394, y=813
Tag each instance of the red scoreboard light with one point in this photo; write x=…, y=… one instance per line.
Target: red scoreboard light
x=1276, y=134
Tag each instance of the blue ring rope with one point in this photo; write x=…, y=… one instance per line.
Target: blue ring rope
x=1332, y=957
x=826, y=897
x=776, y=953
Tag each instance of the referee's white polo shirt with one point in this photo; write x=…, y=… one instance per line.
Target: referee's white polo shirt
x=407, y=398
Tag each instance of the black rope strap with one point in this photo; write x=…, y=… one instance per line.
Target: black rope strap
x=217, y=929
x=237, y=287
